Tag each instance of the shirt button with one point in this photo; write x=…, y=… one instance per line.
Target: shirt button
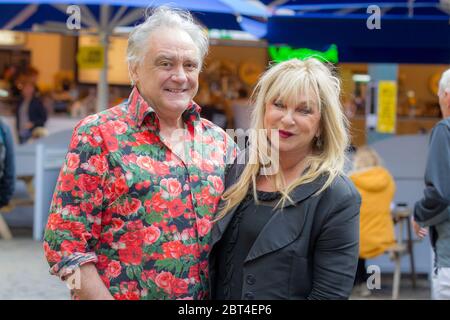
x=251, y=279
x=249, y=296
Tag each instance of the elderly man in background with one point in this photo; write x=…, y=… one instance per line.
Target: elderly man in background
x=131, y=213
x=433, y=210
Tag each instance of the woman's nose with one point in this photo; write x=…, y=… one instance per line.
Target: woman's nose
x=287, y=118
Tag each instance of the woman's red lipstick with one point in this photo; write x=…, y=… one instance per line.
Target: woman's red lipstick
x=285, y=134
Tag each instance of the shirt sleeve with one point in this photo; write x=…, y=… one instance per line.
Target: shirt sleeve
x=432, y=208
x=75, y=218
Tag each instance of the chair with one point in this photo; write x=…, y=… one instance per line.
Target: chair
x=401, y=216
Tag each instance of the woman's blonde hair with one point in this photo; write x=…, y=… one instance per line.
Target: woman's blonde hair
x=366, y=157
x=289, y=81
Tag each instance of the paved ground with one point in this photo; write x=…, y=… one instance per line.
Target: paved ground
x=24, y=275
x=407, y=292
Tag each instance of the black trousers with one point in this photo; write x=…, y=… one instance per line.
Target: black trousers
x=361, y=272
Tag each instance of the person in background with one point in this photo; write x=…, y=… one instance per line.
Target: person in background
x=7, y=164
x=218, y=111
x=85, y=104
x=30, y=111
x=377, y=189
x=242, y=110
x=9, y=77
x=288, y=223
x=433, y=210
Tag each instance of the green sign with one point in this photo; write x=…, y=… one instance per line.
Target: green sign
x=284, y=53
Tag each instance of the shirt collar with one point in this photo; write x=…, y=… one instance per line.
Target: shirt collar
x=139, y=109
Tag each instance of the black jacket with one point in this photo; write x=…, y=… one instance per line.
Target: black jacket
x=36, y=113
x=306, y=251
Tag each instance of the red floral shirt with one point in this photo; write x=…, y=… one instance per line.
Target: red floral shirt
x=125, y=201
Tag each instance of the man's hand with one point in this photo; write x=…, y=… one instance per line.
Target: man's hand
x=89, y=285
x=420, y=232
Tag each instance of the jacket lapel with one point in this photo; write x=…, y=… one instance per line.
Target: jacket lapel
x=220, y=226
x=287, y=223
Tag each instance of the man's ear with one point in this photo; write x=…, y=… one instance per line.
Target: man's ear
x=447, y=97
x=132, y=71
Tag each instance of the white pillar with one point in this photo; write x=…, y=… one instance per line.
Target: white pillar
x=102, y=86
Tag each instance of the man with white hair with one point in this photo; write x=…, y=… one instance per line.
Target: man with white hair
x=433, y=210
x=132, y=210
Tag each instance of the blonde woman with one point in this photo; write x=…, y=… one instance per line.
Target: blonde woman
x=288, y=222
x=377, y=189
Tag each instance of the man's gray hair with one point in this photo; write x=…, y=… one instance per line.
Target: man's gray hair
x=444, y=83
x=165, y=16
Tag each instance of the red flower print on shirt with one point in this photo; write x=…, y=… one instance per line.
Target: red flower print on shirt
x=67, y=182
x=164, y=281
x=118, y=127
x=131, y=255
x=129, y=207
x=203, y=226
x=88, y=183
x=179, y=286
x=73, y=161
x=171, y=188
x=157, y=203
x=98, y=164
x=68, y=247
x=217, y=184
x=173, y=249
x=151, y=234
x=114, y=269
x=176, y=208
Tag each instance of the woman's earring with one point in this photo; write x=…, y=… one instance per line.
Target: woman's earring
x=318, y=142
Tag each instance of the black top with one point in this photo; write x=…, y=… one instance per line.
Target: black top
x=238, y=239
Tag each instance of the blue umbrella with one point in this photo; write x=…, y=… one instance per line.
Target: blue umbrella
x=22, y=15
x=103, y=16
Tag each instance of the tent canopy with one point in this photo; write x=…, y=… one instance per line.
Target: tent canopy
x=24, y=15
x=410, y=31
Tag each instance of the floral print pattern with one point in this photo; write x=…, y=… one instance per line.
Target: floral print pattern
x=126, y=202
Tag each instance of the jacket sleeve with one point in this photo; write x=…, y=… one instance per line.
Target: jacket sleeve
x=432, y=208
x=7, y=183
x=335, y=256
x=75, y=218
